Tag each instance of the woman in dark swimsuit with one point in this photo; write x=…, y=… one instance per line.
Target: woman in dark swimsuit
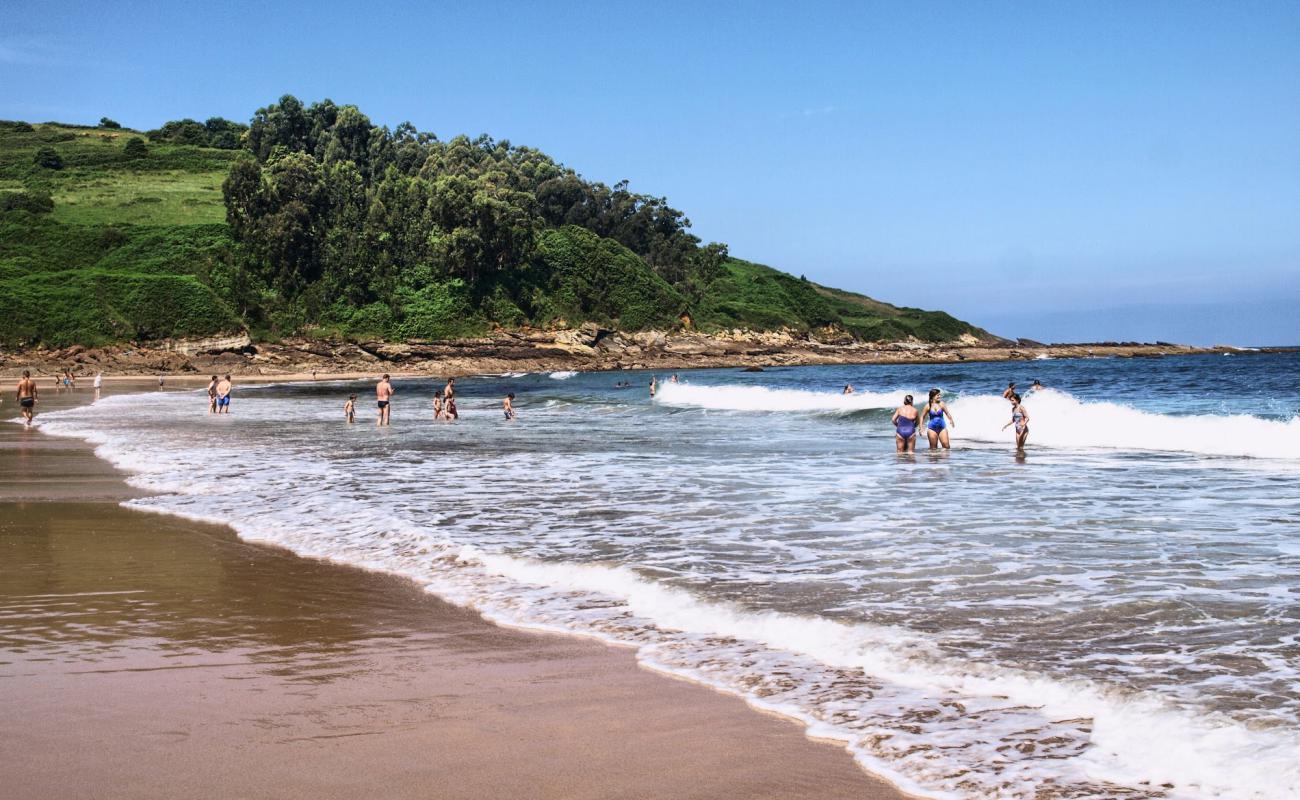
x=905, y=419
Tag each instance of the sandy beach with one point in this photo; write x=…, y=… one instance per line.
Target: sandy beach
x=144, y=656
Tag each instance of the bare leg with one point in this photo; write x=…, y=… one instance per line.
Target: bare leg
x=943, y=438
x=934, y=438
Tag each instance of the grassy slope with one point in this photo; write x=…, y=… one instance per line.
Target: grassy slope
x=122, y=253
x=132, y=246
x=752, y=295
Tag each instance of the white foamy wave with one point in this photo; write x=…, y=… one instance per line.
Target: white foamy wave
x=563, y=375
x=1058, y=419
x=761, y=398
x=1131, y=734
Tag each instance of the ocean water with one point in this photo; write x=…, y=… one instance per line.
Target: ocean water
x=1116, y=613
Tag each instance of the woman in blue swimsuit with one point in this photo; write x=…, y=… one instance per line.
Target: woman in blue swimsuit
x=936, y=428
x=1019, y=418
x=905, y=419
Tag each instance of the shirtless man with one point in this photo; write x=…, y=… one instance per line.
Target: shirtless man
x=27, y=395
x=508, y=406
x=212, y=394
x=384, y=395
x=449, y=400
x=223, y=395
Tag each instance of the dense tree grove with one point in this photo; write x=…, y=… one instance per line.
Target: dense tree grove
x=339, y=217
x=216, y=132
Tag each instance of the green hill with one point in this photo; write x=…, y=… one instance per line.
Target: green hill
x=312, y=220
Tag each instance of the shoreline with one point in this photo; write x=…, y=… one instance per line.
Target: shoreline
x=584, y=350
x=749, y=752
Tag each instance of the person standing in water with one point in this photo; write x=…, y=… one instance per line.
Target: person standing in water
x=350, y=409
x=507, y=405
x=1010, y=390
x=848, y=389
x=99, y=383
x=223, y=395
x=1019, y=418
x=449, y=400
x=437, y=405
x=936, y=427
x=905, y=419
x=653, y=385
x=384, y=396
x=212, y=395
x=1037, y=385
x=27, y=394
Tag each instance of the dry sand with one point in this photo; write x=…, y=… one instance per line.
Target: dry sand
x=142, y=656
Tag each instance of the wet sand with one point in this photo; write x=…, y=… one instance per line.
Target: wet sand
x=143, y=656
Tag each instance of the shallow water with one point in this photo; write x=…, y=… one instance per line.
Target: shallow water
x=1116, y=613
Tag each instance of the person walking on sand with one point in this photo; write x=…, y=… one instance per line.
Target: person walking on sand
x=223, y=395
x=350, y=409
x=507, y=405
x=905, y=418
x=212, y=394
x=27, y=394
x=1019, y=418
x=936, y=428
x=384, y=396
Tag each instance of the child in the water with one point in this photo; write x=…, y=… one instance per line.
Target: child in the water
x=350, y=409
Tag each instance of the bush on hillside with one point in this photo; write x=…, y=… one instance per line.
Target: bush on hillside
x=36, y=202
x=48, y=158
x=105, y=122
x=135, y=148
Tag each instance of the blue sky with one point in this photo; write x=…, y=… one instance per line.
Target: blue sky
x=1058, y=171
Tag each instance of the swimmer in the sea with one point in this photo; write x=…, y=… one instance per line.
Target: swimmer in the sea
x=1036, y=386
x=350, y=409
x=507, y=405
x=437, y=405
x=848, y=389
x=936, y=427
x=905, y=419
x=383, y=397
x=1019, y=418
x=653, y=385
x=1010, y=390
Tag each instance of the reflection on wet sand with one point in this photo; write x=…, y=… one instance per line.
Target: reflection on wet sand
x=143, y=656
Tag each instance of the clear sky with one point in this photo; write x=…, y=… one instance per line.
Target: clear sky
x=1061, y=171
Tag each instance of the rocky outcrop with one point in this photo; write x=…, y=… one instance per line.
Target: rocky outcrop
x=589, y=347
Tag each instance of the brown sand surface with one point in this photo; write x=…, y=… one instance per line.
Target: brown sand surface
x=142, y=656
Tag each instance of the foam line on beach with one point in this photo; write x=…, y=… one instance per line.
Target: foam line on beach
x=728, y=397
